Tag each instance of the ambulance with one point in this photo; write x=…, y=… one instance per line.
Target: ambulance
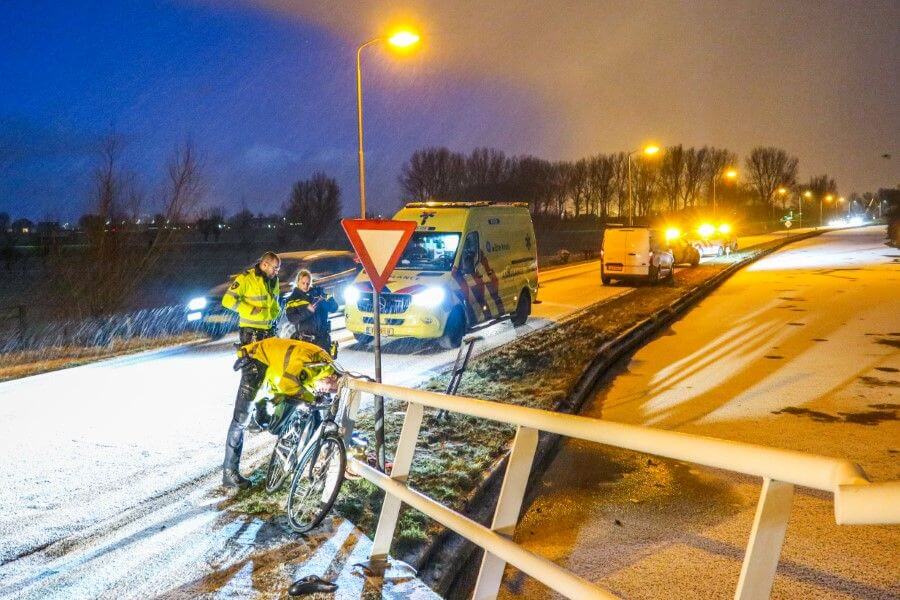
x=466, y=264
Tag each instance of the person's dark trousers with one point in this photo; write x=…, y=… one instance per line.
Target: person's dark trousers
x=251, y=378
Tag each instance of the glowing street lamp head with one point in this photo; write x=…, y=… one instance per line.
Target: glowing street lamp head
x=782, y=191
x=731, y=174
x=404, y=38
x=650, y=150
x=829, y=198
x=807, y=194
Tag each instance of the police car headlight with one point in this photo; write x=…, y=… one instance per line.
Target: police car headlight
x=429, y=297
x=194, y=316
x=351, y=295
x=197, y=304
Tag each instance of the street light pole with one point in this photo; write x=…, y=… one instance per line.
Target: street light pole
x=630, y=199
x=359, y=124
x=401, y=39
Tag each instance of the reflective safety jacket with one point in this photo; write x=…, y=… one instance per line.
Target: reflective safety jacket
x=288, y=363
x=254, y=298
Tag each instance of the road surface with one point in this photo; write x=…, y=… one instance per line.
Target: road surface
x=798, y=351
x=110, y=469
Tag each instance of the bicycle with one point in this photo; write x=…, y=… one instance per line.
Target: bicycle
x=318, y=460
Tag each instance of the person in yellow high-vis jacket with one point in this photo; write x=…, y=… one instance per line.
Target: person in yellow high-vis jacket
x=294, y=368
x=254, y=297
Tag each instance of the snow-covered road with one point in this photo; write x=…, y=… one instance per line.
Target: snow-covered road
x=799, y=351
x=113, y=463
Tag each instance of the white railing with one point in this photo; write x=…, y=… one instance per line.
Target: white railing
x=856, y=501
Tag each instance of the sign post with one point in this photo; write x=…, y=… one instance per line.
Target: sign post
x=378, y=244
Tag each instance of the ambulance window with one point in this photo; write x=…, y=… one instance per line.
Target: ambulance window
x=470, y=253
x=430, y=251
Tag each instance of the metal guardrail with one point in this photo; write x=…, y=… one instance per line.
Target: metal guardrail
x=856, y=500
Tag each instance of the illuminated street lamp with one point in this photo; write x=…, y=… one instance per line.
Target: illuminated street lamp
x=731, y=174
x=401, y=39
x=648, y=150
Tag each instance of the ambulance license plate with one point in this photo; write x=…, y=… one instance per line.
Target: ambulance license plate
x=386, y=331
x=613, y=267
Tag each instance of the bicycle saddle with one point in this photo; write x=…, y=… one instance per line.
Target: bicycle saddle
x=311, y=584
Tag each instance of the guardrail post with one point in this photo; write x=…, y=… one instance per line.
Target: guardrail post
x=390, y=509
x=509, y=503
x=766, y=538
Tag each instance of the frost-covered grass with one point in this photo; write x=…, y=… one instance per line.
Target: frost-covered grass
x=14, y=365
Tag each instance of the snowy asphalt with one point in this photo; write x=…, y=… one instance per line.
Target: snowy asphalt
x=798, y=351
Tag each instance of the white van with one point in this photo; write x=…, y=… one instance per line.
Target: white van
x=466, y=263
x=635, y=253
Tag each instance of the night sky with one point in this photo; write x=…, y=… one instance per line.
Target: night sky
x=265, y=90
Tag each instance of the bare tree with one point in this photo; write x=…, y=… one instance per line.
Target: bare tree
x=433, y=173
x=671, y=175
x=768, y=169
x=602, y=175
x=694, y=165
x=821, y=185
x=645, y=185
x=620, y=181
x=717, y=160
x=315, y=203
x=119, y=255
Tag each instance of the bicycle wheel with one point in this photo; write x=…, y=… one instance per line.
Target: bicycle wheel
x=284, y=454
x=316, y=484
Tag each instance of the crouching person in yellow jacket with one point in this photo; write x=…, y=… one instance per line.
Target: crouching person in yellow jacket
x=295, y=371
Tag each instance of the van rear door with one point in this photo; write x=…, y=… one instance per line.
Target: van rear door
x=636, y=246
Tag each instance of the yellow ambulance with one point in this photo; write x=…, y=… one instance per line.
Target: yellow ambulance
x=466, y=263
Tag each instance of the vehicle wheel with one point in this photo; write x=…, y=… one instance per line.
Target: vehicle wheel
x=720, y=251
x=453, y=330
x=284, y=454
x=604, y=278
x=523, y=309
x=316, y=484
x=363, y=339
x=653, y=274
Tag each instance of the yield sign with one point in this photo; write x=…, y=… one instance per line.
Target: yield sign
x=378, y=244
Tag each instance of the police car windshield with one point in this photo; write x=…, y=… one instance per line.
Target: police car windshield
x=430, y=251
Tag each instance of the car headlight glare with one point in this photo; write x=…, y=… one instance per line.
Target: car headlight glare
x=724, y=228
x=672, y=233
x=429, y=297
x=197, y=304
x=351, y=294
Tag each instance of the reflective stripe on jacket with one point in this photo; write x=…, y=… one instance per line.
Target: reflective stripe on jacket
x=254, y=299
x=287, y=371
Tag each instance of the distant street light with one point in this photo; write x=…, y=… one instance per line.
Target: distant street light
x=730, y=173
x=648, y=150
x=401, y=39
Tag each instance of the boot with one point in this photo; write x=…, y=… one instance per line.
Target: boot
x=233, y=479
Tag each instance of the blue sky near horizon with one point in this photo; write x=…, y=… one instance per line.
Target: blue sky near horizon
x=265, y=100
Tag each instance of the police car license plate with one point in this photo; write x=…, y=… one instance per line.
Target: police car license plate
x=613, y=267
x=387, y=331
x=217, y=319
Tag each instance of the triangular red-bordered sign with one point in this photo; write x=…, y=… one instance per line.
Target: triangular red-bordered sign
x=378, y=244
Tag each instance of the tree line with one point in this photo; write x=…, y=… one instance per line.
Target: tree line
x=676, y=179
